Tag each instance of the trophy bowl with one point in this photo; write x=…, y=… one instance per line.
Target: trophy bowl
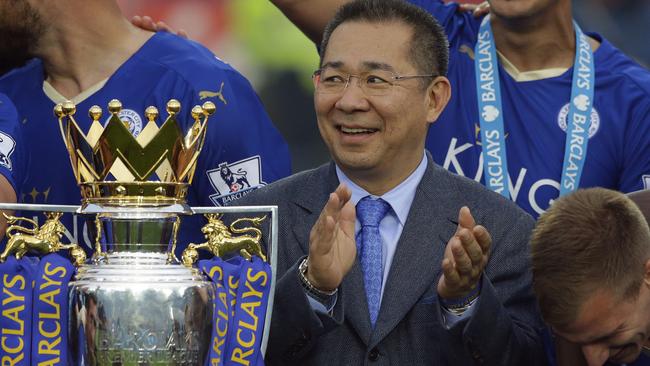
x=139, y=315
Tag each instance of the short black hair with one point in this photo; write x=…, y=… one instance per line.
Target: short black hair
x=429, y=45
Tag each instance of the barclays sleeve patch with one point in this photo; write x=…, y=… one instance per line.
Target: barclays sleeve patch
x=235, y=180
x=646, y=181
x=7, y=146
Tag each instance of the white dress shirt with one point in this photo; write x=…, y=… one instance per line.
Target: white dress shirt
x=400, y=199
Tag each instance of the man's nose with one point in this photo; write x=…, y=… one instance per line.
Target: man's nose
x=353, y=97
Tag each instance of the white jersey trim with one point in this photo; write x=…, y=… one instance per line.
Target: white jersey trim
x=529, y=75
x=57, y=97
x=534, y=75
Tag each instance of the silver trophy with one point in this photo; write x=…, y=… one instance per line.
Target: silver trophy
x=134, y=302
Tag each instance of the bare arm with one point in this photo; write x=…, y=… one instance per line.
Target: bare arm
x=310, y=16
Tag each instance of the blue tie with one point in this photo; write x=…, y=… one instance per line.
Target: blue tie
x=370, y=212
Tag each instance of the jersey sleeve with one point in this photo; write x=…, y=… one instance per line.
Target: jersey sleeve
x=458, y=25
x=12, y=150
x=635, y=174
x=443, y=13
x=243, y=150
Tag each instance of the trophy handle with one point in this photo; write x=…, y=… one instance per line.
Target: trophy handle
x=220, y=241
x=42, y=240
x=13, y=219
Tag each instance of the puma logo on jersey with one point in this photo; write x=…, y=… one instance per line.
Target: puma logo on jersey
x=204, y=94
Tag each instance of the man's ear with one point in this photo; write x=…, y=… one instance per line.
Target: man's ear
x=438, y=94
x=646, y=273
x=315, y=79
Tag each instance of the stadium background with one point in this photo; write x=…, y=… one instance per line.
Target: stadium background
x=260, y=42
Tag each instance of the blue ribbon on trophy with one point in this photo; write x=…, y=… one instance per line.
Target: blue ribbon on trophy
x=214, y=268
x=240, y=308
x=232, y=273
x=50, y=311
x=250, y=311
x=16, y=310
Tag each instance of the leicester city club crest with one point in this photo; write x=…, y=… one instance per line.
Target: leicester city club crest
x=235, y=180
x=579, y=103
x=131, y=120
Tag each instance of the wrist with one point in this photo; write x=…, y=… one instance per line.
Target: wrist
x=462, y=301
x=308, y=285
x=316, y=281
x=460, y=309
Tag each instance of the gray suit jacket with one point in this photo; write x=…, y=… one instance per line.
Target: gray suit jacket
x=504, y=330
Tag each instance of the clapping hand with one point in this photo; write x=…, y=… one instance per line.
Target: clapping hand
x=466, y=255
x=332, y=247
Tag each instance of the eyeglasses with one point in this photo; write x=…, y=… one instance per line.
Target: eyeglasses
x=373, y=83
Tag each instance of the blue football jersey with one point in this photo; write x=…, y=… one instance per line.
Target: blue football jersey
x=12, y=150
x=243, y=150
x=535, y=120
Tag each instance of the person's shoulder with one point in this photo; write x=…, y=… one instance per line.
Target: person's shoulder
x=18, y=77
x=8, y=119
x=461, y=27
x=484, y=203
x=7, y=108
x=283, y=190
x=188, y=59
x=612, y=62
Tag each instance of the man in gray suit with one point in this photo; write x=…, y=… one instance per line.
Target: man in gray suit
x=423, y=290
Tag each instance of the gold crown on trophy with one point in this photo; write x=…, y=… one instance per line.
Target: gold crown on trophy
x=113, y=167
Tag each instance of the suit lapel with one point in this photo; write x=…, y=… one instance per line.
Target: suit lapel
x=309, y=202
x=356, y=304
x=416, y=265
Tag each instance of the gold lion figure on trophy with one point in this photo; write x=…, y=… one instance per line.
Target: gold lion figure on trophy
x=44, y=240
x=220, y=240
